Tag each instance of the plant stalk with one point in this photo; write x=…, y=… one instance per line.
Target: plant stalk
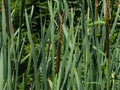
x=107, y=44
x=59, y=43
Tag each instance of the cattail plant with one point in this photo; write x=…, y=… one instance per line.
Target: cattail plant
x=83, y=59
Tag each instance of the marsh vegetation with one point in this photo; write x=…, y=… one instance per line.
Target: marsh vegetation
x=59, y=45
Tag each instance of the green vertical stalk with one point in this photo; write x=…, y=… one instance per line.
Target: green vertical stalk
x=8, y=29
x=9, y=69
x=5, y=2
x=20, y=24
x=33, y=51
x=52, y=28
x=4, y=44
x=18, y=48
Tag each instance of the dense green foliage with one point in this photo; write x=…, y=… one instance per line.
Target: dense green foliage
x=30, y=40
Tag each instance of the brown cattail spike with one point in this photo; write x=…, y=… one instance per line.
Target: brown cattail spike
x=107, y=29
x=59, y=43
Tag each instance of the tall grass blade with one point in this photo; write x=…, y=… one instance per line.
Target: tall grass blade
x=33, y=52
